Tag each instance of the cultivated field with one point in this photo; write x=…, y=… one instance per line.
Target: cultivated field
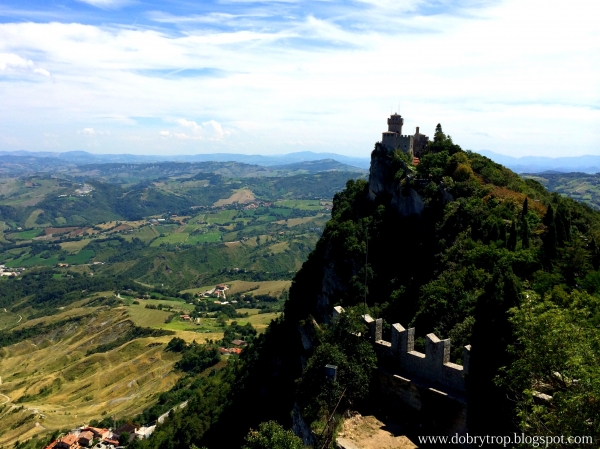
x=58, y=385
x=240, y=196
x=273, y=288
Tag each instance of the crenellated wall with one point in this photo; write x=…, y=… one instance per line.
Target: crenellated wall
x=428, y=385
x=393, y=141
x=434, y=366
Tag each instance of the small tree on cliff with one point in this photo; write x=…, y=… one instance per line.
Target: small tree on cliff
x=272, y=435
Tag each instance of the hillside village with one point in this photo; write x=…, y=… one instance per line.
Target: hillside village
x=101, y=438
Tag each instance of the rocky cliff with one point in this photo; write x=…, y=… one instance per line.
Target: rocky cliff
x=384, y=185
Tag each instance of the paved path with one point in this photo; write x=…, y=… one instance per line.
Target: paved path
x=162, y=417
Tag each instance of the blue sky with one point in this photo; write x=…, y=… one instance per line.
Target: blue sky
x=519, y=77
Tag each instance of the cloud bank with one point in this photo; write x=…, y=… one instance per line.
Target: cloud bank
x=515, y=77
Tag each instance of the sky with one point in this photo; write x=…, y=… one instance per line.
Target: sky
x=517, y=77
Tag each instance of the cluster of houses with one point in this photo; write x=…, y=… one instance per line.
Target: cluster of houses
x=84, y=190
x=257, y=204
x=217, y=292
x=87, y=436
x=12, y=272
x=238, y=350
x=190, y=319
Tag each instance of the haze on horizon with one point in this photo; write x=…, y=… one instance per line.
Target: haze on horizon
x=517, y=77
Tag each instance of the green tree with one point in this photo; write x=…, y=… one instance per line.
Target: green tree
x=489, y=411
x=550, y=238
x=176, y=345
x=563, y=224
x=555, y=375
x=271, y=435
x=525, y=225
x=124, y=438
x=594, y=253
x=355, y=358
x=512, y=239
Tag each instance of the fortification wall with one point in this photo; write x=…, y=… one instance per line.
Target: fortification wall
x=394, y=141
x=433, y=367
x=428, y=384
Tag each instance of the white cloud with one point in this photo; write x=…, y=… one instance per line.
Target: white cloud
x=42, y=72
x=91, y=132
x=521, y=71
x=10, y=62
x=206, y=130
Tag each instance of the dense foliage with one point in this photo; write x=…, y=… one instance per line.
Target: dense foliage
x=492, y=260
x=270, y=435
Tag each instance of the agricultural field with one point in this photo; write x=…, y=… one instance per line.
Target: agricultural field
x=240, y=196
x=300, y=204
x=274, y=288
x=59, y=377
x=95, y=262
x=260, y=321
x=579, y=186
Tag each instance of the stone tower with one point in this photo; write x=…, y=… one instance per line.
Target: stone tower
x=395, y=123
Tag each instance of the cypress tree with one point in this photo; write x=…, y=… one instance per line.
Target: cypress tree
x=549, y=217
x=525, y=207
x=503, y=234
x=563, y=224
x=550, y=239
x=476, y=229
x=492, y=333
x=512, y=239
x=493, y=232
x=595, y=254
x=524, y=232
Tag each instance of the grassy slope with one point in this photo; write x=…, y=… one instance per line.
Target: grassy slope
x=123, y=381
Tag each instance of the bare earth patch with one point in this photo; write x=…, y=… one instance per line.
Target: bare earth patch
x=240, y=196
x=367, y=432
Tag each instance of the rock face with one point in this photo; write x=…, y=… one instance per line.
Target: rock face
x=384, y=187
x=301, y=429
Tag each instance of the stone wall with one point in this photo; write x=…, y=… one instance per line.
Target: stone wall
x=427, y=383
x=394, y=141
x=434, y=366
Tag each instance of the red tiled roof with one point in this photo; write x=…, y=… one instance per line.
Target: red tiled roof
x=69, y=439
x=87, y=434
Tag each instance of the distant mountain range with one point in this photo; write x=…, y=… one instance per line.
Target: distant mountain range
x=305, y=160
x=538, y=164
x=83, y=158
